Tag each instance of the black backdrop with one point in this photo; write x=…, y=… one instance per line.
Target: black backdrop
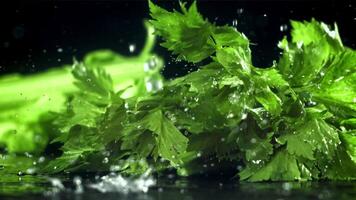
x=36, y=35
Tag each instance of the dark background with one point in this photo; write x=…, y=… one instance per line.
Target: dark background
x=36, y=35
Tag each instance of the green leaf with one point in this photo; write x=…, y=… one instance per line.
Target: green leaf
x=337, y=89
x=85, y=108
x=282, y=167
x=94, y=83
x=226, y=36
x=187, y=34
x=349, y=141
x=313, y=44
x=311, y=135
x=170, y=141
x=81, y=142
x=269, y=101
x=212, y=144
x=254, y=142
x=315, y=32
x=233, y=59
x=342, y=167
x=272, y=77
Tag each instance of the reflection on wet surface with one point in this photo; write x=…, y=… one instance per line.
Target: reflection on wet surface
x=37, y=187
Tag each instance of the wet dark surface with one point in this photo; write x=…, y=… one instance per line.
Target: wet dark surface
x=36, y=35
x=28, y=187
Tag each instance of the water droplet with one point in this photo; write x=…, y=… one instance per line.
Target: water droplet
x=230, y=115
x=310, y=104
x=153, y=63
x=199, y=155
x=154, y=85
x=256, y=161
x=283, y=27
x=265, y=15
x=170, y=176
x=30, y=170
x=59, y=50
x=105, y=160
x=234, y=22
x=240, y=11
x=150, y=64
x=78, y=185
x=253, y=140
x=28, y=155
x=41, y=159
x=57, y=183
x=132, y=48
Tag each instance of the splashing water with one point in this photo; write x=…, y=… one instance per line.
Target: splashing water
x=118, y=183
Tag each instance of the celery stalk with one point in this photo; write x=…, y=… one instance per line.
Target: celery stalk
x=25, y=98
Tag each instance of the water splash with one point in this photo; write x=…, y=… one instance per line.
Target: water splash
x=57, y=186
x=77, y=181
x=118, y=183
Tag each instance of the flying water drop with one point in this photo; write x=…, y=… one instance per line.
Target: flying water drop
x=240, y=11
x=283, y=28
x=234, y=22
x=132, y=48
x=153, y=85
